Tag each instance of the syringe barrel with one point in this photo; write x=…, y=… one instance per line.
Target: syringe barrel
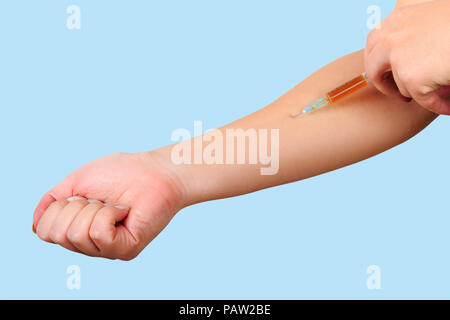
x=347, y=89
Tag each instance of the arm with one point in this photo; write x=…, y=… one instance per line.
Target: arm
x=333, y=138
x=359, y=127
x=153, y=188
x=402, y=3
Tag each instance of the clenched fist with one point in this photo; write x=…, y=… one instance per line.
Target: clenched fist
x=112, y=207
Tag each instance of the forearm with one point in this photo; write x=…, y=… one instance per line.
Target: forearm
x=359, y=127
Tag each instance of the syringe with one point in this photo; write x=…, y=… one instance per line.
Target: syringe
x=337, y=94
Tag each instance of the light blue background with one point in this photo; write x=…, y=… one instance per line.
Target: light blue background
x=136, y=71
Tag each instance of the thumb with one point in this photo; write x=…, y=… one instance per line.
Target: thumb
x=378, y=66
x=111, y=236
x=62, y=191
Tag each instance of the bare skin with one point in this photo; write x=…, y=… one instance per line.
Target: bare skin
x=154, y=189
x=408, y=59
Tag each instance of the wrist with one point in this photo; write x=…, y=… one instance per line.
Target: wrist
x=183, y=186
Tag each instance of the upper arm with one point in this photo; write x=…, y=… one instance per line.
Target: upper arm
x=401, y=3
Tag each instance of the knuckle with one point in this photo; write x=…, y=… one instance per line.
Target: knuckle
x=403, y=91
x=414, y=89
x=98, y=237
x=425, y=90
x=43, y=236
x=75, y=237
x=406, y=78
x=430, y=101
x=430, y=104
x=57, y=236
x=95, y=234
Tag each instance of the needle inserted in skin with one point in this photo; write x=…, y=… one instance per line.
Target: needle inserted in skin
x=295, y=115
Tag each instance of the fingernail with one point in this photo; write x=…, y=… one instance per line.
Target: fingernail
x=121, y=207
x=33, y=228
x=94, y=201
x=108, y=205
x=70, y=199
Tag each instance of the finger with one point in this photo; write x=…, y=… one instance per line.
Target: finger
x=112, y=238
x=45, y=222
x=378, y=67
x=444, y=93
x=402, y=88
x=442, y=105
x=62, y=222
x=437, y=101
x=377, y=64
x=43, y=205
x=62, y=191
x=78, y=233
